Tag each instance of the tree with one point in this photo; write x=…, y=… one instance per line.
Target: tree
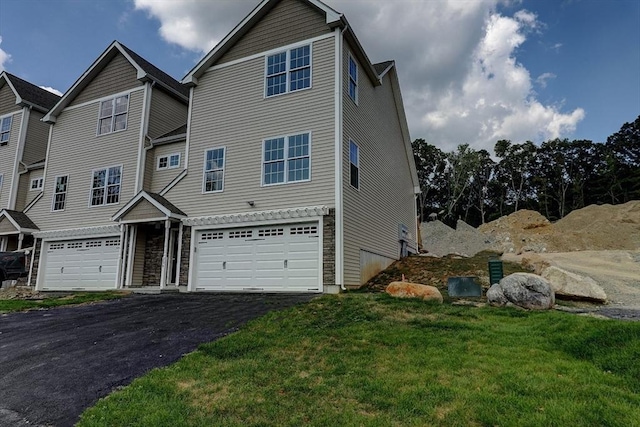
x=430, y=164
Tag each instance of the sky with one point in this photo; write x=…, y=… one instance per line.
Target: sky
x=471, y=71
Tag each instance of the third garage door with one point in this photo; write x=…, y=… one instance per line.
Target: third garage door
x=278, y=258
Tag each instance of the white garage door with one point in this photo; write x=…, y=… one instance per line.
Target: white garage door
x=279, y=258
x=80, y=264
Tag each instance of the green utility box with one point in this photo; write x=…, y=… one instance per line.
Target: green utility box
x=495, y=270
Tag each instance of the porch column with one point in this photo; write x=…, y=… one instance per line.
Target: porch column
x=20, y=239
x=3, y=243
x=120, y=269
x=165, y=254
x=132, y=236
x=179, y=255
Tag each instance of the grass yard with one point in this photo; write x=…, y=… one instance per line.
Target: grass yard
x=10, y=305
x=369, y=360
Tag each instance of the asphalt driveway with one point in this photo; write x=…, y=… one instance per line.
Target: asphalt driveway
x=56, y=363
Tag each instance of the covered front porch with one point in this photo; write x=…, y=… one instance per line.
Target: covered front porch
x=151, y=250
x=15, y=231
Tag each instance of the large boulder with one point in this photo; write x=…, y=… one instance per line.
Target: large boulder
x=414, y=290
x=524, y=290
x=574, y=286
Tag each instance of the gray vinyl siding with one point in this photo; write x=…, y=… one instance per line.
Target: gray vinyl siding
x=138, y=261
x=117, y=76
x=167, y=114
x=76, y=151
x=7, y=100
x=161, y=178
x=35, y=147
x=288, y=22
x=143, y=210
x=7, y=159
x=385, y=199
x=229, y=110
x=6, y=226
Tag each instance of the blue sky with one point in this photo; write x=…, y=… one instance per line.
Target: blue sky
x=471, y=71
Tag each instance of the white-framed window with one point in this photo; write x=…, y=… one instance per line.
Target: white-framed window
x=213, y=174
x=105, y=186
x=286, y=159
x=60, y=193
x=288, y=71
x=5, y=130
x=36, y=184
x=113, y=114
x=354, y=165
x=353, y=80
x=170, y=161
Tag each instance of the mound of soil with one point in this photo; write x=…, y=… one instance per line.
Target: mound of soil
x=439, y=239
x=522, y=231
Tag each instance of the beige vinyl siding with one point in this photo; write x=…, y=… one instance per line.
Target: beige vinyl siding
x=76, y=151
x=167, y=114
x=25, y=194
x=138, y=262
x=161, y=178
x=6, y=226
x=7, y=100
x=288, y=22
x=7, y=159
x=229, y=110
x=143, y=210
x=117, y=76
x=385, y=199
x=35, y=147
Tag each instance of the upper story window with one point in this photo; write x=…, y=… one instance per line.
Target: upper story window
x=105, y=186
x=353, y=80
x=60, y=193
x=5, y=130
x=214, y=170
x=354, y=165
x=171, y=161
x=288, y=71
x=286, y=159
x=113, y=114
x=36, y=184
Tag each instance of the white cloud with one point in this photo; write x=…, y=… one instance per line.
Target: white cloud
x=52, y=90
x=4, y=57
x=457, y=60
x=543, y=78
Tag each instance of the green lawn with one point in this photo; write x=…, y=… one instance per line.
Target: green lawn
x=370, y=360
x=49, y=302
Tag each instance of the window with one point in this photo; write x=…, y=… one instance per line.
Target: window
x=5, y=130
x=171, y=161
x=354, y=164
x=105, y=186
x=36, y=184
x=60, y=193
x=353, y=80
x=288, y=71
x=113, y=114
x=286, y=159
x=214, y=170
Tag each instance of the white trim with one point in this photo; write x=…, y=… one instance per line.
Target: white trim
x=173, y=183
x=269, y=52
x=338, y=147
x=188, y=136
x=168, y=157
x=5, y=116
x=192, y=251
x=144, y=195
x=142, y=153
x=34, y=201
x=78, y=233
x=106, y=186
x=258, y=218
x=351, y=141
x=165, y=254
x=356, y=80
x=98, y=100
x=44, y=173
x=120, y=256
x=204, y=169
x=113, y=115
x=22, y=137
x=286, y=159
x=1, y=184
x=288, y=70
x=131, y=256
x=53, y=197
x=39, y=186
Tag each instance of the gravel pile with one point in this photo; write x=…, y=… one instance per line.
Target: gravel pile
x=439, y=239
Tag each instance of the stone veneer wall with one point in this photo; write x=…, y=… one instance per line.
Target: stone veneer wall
x=154, y=246
x=184, y=257
x=329, y=248
x=36, y=263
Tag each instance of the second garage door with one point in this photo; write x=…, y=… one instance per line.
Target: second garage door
x=280, y=258
x=80, y=264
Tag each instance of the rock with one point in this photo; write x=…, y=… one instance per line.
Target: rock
x=524, y=290
x=574, y=286
x=414, y=290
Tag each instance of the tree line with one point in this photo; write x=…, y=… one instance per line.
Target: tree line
x=552, y=178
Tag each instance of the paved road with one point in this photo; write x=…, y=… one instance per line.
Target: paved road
x=56, y=363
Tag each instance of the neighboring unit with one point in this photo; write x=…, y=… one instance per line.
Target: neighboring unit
x=23, y=145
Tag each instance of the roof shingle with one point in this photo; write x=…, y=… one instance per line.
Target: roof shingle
x=32, y=93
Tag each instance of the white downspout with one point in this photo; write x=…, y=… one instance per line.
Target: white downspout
x=339, y=220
